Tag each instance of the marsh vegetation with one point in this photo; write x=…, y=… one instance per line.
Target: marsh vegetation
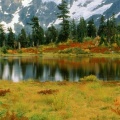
x=86, y=100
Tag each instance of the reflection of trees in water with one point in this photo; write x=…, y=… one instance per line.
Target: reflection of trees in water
x=5, y=69
x=17, y=71
x=1, y=70
x=11, y=70
x=6, y=72
x=45, y=73
x=109, y=71
x=39, y=71
x=23, y=68
x=53, y=70
x=65, y=73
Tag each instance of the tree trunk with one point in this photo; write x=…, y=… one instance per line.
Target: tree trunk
x=19, y=45
x=33, y=44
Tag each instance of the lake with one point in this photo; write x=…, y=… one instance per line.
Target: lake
x=58, y=69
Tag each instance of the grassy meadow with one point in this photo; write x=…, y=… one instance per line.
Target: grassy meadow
x=85, y=100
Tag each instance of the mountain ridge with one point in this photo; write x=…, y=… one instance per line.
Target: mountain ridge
x=17, y=13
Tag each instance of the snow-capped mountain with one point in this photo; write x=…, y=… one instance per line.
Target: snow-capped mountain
x=17, y=13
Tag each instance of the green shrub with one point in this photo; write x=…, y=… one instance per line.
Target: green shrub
x=79, y=51
x=4, y=49
x=89, y=78
x=87, y=38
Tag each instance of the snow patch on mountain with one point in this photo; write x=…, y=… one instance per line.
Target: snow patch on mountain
x=78, y=8
x=26, y=3
x=14, y=21
x=117, y=15
x=56, y=1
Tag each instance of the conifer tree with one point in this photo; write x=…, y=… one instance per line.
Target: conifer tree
x=91, y=28
x=22, y=39
x=118, y=35
x=118, y=28
x=108, y=31
x=10, y=38
x=29, y=39
x=102, y=26
x=37, y=31
x=81, y=29
x=114, y=28
x=63, y=15
x=2, y=36
x=73, y=30
x=51, y=34
x=111, y=29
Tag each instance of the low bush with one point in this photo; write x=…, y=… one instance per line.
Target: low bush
x=4, y=49
x=87, y=38
x=89, y=78
x=79, y=51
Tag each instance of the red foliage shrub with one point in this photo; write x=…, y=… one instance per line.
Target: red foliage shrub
x=62, y=47
x=50, y=50
x=45, y=92
x=99, y=50
x=3, y=92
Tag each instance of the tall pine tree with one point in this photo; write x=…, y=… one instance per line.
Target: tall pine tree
x=51, y=35
x=73, y=30
x=10, y=38
x=102, y=27
x=111, y=30
x=82, y=29
x=63, y=15
x=2, y=36
x=91, y=29
x=22, y=39
x=37, y=32
x=102, y=30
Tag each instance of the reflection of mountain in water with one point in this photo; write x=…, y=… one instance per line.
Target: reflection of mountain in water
x=17, y=71
x=6, y=72
x=58, y=69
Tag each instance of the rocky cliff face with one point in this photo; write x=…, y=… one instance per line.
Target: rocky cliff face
x=17, y=13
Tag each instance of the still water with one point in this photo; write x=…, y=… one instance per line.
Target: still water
x=58, y=69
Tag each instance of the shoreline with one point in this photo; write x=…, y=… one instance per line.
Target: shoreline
x=70, y=55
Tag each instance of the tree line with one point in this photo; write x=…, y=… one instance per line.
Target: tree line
x=108, y=31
